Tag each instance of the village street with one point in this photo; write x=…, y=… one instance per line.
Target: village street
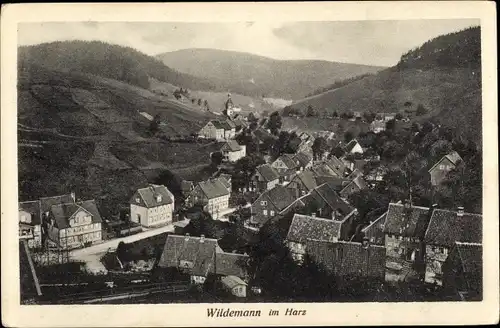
x=92, y=255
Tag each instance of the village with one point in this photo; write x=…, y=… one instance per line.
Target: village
x=297, y=201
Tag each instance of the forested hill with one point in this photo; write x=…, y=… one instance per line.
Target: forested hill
x=443, y=76
x=107, y=60
x=455, y=50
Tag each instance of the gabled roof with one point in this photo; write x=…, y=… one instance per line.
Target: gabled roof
x=231, y=264
x=332, y=199
x=344, y=258
x=214, y=188
x=222, y=124
x=267, y=172
x=447, y=227
x=302, y=158
x=358, y=181
x=47, y=202
x=307, y=178
x=406, y=221
x=63, y=212
x=231, y=145
x=288, y=160
x=453, y=157
x=148, y=195
x=337, y=165
x=225, y=180
x=305, y=227
x=34, y=208
x=280, y=196
x=195, y=255
x=471, y=257
x=350, y=146
x=334, y=182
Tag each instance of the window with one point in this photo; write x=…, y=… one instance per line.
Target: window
x=264, y=212
x=138, y=217
x=272, y=213
x=158, y=198
x=442, y=166
x=137, y=200
x=263, y=203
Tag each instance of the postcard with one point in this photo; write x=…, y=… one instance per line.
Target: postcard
x=236, y=164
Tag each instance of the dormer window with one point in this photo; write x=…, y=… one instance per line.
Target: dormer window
x=158, y=198
x=137, y=200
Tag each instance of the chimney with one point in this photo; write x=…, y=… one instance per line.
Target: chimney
x=73, y=196
x=460, y=211
x=187, y=237
x=202, y=238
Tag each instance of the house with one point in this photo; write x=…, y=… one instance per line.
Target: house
x=304, y=160
x=235, y=285
x=74, y=224
x=346, y=260
x=377, y=126
x=212, y=194
x=286, y=166
x=356, y=184
x=269, y=204
x=387, y=116
x=200, y=257
x=194, y=256
x=303, y=183
x=30, y=223
x=232, y=151
x=374, y=232
x=463, y=272
x=353, y=147
x=337, y=166
x=329, y=204
x=404, y=230
x=264, y=178
x=307, y=227
x=219, y=130
x=152, y=206
x=447, y=163
x=445, y=228
x=334, y=182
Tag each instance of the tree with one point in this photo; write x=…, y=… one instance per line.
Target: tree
x=192, y=100
x=338, y=151
x=216, y=158
x=399, y=116
x=205, y=103
x=421, y=110
x=390, y=125
x=252, y=118
x=274, y=123
x=335, y=114
x=199, y=101
x=281, y=144
x=348, y=136
x=319, y=147
x=178, y=94
x=310, y=111
x=369, y=116
x=154, y=125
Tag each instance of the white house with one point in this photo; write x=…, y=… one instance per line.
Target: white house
x=235, y=285
x=353, y=147
x=152, y=206
x=212, y=194
x=219, y=130
x=30, y=220
x=232, y=151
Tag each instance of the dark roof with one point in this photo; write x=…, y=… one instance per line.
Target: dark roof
x=280, y=196
x=406, y=221
x=148, y=195
x=223, y=124
x=306, y=227
x=231, y=145
x=332, y=199
x=307, y=178
x=359, y=164
x=230, y=264
x=63, y=212
x=303, y=158
x=351, y=145
x=453, y=157
x=471, y=257
x=288, y=161
x=267, y=172
x=354, y=174
x=358, y=181
x=214, y=188
x=323, y=169
x=225, y=180
x=334, y=182
x=348, y=258
x=47, y=202
x=198, y=254
x=337, y=165
x=34, y=208
x=447, y=227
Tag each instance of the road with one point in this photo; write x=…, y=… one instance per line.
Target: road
x=92, y=255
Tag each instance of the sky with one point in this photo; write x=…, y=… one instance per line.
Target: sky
x=362, y=42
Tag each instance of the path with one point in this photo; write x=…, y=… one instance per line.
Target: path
x=92, y=255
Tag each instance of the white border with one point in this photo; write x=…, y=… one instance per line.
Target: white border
x=195, y=314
